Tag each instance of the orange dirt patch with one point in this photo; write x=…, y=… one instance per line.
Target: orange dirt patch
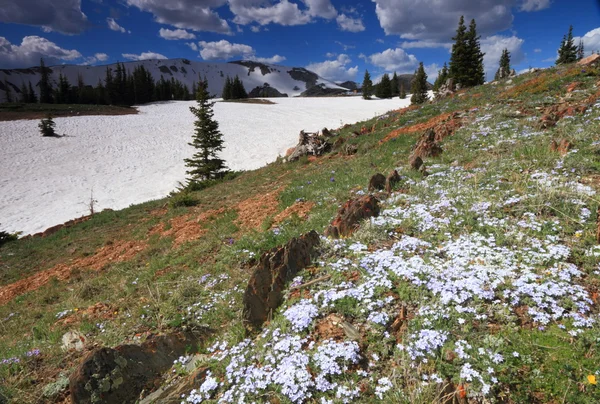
x=252, y=212
x=416, y=128
x=330, y=328
x=300, y=209
x=98, y=311
x=118, y=251
x=186, y=228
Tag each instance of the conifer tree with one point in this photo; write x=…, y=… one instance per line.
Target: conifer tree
x=475, y=69
x=45, y=86
x=239, y=91
x=580, y=50
x=47, y=126
x=418, y=87
x=441, y=78
x=402, y=91
x=24, y=93
x=7, y=91
x=567, y=53
x=367, y=86
x=384, y=88
x=31, y=96
x=504, y=68
x=207, y=140
x=395, y=85
x=227, y=89
x=459, y=58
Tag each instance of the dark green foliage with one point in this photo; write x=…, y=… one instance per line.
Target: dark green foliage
x=418, y=87
x=504, y=68
x=567, y=53
x=24, y=93
x=580, y=50
x=466, y=61
x=5, y=237
x=62, y=94
x=402, y=94
x=7, y=91
x=367, y=86
x=227, y=87
x=31, y=95
x=441, y=78
x=384, y=88
x=47, y=126
x=395, y=85
x=182, y=199
x=233, y=89
x=45, y=86
x=207, y=140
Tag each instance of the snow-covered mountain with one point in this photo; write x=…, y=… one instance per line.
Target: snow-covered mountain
x=287, y=80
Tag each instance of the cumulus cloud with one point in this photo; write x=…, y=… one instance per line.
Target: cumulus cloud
x=30, y=51
x=534, y=5
x=437, y=20
x=394, y=60
x=283, y=12
x=591, y=41
x=492, y=47
x=425, y=44
x=192, y=46
x=143, y=56
x=273, y=59
x=349, y=24
x=98, y=57
x=63, y=16
x=172, y=35
x=114, y=26
x=223, y=50
x=186, y=14
x=321, y=8
x=335, y=70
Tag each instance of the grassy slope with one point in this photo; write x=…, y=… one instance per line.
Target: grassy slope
x=166, y=285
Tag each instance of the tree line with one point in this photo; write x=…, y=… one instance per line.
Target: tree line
x=119, y=87
x=233, y=89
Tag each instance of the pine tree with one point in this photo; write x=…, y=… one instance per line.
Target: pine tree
x=24, y=93
x=384, y=88
x=32, y=97
x=367, y=86
x=580, y=50
x=238, y=88
x=47, y=126
x=402, y=91
x=459, y=58
x=567, y=53
x=475, y=69
x=63, y=91
x=227, y=89
x=7, y=91
x=441, y=78
x=395, y=85
x=418, y=86
x=207, y=140
x=504, y=68
x=45, y=86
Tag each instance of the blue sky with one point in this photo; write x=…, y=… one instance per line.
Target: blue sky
x=338, y=39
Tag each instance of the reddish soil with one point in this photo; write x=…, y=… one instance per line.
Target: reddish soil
x=253, y=211
x=98, y=311
x=416, y=128
x=300, y=209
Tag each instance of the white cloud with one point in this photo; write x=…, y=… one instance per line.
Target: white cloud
x=143, y=56
x=283, y=12
x=321, y=8
x=432, y=71
x=98, y=57
x=494, y=45
x=591, y=41
x=63, y=16
x=425, y=44
x=114, y=26
x=335, y=70
x=30, y=51
x=255, y=28
x=379, y=40
x=223, y=50
x=172, y=35
x=330, y=55
x=537, y=50
x=272, y=60
x=394, y=60
x=186, y=14
x=437, y=20
x=192, y=46
x=349, y=24
x=343, y=45
x=534, y=5
x=102, y=57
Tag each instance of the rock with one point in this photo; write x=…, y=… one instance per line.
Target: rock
x=321, y=90
x=351, y=214
x=172, y=393
x=56, y=388
x=350, y=149
x=573, y=86
x=391, y=181
x=265, y=91
x=364, y=130
x=415, y=162
x=513, y=73
x=73, y=340
x=427, y=146
x=326, y=132
x=589, y=60
x=446, y=89
x=119, y=375
x=377, y=182
x=338, y=143
x=274, y=270
x=310, y=144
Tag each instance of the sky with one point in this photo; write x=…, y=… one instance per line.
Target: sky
x=337, y=39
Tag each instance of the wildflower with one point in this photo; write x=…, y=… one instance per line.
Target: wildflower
x=591, y=379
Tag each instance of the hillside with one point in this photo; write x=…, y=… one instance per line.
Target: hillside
x=475, y=280
x=289, y=80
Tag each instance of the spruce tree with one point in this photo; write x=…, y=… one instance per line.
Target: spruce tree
x=402, y=91
x=367, y=86
x=227, y=89
x=238, y=88
x=395, y=85
x=384, y=88
x=441, y=78
x=32, y=97
x=459, y=58
x=207, y=140
x=475, y=69
x=418, y=87
x=580, y=50
x=567, y=53
x=47, y=126
x=45, y=86
x=504, y=68
x=24, y=93
x=7, y=91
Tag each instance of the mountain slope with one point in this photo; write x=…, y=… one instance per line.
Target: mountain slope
x=288, y=80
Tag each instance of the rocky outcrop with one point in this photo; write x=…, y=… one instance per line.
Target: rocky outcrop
x=270, y=276
x=321, y=90
x=590, y=60
x=426, y=146
x=251, y=65
x=301, y=74
x=377, y=182
x=265, y=91
x=119, y=375
x=391, y=181
x=351, y=214
x=350, y=85
x=310, y=144
x=447, y=89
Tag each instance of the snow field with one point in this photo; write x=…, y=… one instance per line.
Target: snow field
x=123, y=160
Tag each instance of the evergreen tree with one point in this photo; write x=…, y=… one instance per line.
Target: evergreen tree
x=441, y=78
x=227, y=93
x=109, y=87
x=475, y=70
x=207, y=140
x=24, y=93
x=459, y=58
x=384, y=88
x=402, y=91
x=418, y=87
x=47, y=126
x=567, y=53
x=31, y=96
x=63, y=91
x=45, y=86
x=239, y=91
x=367, y=86
x=395, y=85
x=580, y=50
x=7, y=91
x=504, y=68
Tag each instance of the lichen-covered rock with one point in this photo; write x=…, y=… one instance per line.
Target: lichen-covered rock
x=350, y=215
x=270, y=276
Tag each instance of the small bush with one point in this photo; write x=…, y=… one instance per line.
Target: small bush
x=183, y=198
x=6, y=237
x=47, y=127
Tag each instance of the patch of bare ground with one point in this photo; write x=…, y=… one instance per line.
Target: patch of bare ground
x=253, y=211
x=300, y=209
x=416, y=128
x=187, y=227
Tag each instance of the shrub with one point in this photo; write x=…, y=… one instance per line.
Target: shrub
x=47, y=126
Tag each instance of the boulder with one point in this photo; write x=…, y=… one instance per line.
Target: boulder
x=271, y=274
x=310, y=144
x=391, y=181
x=377, y=182
x=350, y=149
x=119, y=375
x=351, y=214
x=73, y=340
x=446, y=89
x=427, y=145
x=415, y=162
x=589, y=60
